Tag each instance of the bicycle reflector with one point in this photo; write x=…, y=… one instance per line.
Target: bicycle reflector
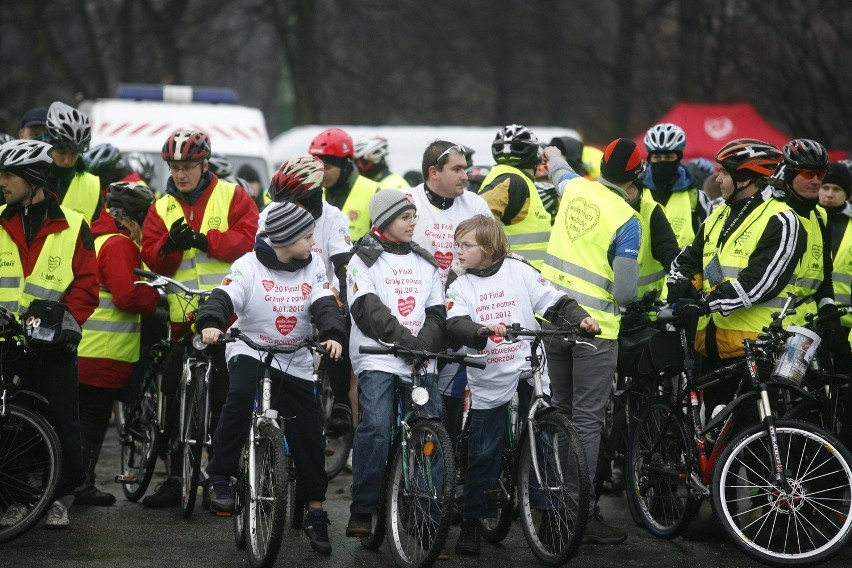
x=419, y=396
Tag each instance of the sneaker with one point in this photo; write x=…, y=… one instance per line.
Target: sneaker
x=167, y=494
x=470, y=538
x=340, y=419
x=93, y=496
x=13, y=515
x=598, y=532
x=360, y=525
x=315, y=525
x=221, y=496
x=57, y=516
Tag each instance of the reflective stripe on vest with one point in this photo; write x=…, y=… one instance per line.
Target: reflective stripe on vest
x=652, y=275
x=528, y=237
x=577, y=262
x=52, y=272
x=197, y=270
x=842, y=275
x=810, y=271
x=110, y=333
x=357, y=206
x=83, y=194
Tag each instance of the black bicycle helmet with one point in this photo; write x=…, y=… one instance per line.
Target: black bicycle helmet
x=103, y=159
x=746, y=158
x=804, y=154
x=515, y=145
x=129, y=199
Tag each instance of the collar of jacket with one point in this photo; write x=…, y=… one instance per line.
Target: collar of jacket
x=191, y=197
x=372, y=245
x=266, y=256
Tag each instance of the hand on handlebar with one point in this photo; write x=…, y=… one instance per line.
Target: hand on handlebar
x=491, y=329
x=335, y=349
x=211, y=335
x=590, y=325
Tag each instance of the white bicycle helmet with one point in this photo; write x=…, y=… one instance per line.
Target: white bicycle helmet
x=21, y=153
x=68, y=128
x=372, y=148
x=665, y=137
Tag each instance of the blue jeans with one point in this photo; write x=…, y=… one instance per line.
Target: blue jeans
x=485, y=445
x=371, y=444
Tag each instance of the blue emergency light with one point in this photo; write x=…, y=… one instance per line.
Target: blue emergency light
x=177, y=94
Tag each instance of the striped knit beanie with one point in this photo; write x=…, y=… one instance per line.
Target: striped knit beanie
x=287, y=223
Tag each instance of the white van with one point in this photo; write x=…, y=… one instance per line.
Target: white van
x=142, y=117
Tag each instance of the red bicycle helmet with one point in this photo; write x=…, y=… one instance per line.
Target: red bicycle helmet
x=186, y=146
x=332, y=142
x=296, y=179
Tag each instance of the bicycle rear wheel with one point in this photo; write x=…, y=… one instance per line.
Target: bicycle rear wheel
x=337, y=444
x=30, y=466
x=267, y=497
x=195, y=435
x=139, y=436
x=805, y=520
x=658, y=470
x=241, y=497
x=421, y=494
x=496, y=529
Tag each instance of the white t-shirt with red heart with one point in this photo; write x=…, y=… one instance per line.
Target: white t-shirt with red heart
x=407, y=284
x=489, y=300
x=273, y=308
x=436, y=228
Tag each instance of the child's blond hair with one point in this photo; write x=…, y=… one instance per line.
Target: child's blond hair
x=489, y=235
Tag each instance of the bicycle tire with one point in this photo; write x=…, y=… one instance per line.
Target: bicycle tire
x=562, y=503
x=195, y=431
x=337, y=444
x=27, y=436
x=418, y=518
x=139, y=437
x=240, y=489
x=496, y=529
x=267, y=503
x=659, y=462
x=295, y=506
x=810, y=525
x=377, y=537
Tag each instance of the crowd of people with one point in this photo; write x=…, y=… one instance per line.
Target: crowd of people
x=357, y=254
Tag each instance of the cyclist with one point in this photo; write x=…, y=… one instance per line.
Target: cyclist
x=111, y=337
x=142, y=165
x=282, y=256
x=106, y=162
x=395, y=295
x=370, y=157
x=193, y=233
x=486, y=266
x=48, y=255
x=509, y=189
x=69, y=131
x=33, y=123
x=344, y=187
x=671, y=184
x=300, y=181
x=593, y=257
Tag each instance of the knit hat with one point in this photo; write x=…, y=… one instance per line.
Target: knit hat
x=386, y=205
x=838, y=174
x=621, y=162
x=287, y=223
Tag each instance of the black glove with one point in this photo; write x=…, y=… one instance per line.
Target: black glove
x=200, y=242
x=681, y=288
x=181, y=235
x=828, y=326
x=688, y=312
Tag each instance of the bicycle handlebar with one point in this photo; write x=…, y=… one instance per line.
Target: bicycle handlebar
x=310, y=342
x=569, y=331
x=162, y=282
x=400, y=351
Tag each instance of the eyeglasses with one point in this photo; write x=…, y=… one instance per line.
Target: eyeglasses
x=183, y=169
x=458, y=148
x=811, y=174
x=409, y=218
x=464, y=247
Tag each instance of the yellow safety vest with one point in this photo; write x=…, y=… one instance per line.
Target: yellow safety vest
x=811, y=270
x=842, y=275
x=529, y=237
x=197, y=270
x=357, y=206
x=83, y=194
x=733, y=257
x=652, y=274
x=679, y=213
x=110, y=333
x=393, y=181
x=53, y=270
x=577, y=258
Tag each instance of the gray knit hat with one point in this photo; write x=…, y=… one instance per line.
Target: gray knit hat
x=386, y=205
x=287, y=223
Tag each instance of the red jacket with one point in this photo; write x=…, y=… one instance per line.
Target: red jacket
x=116, y=260
x=81, y=297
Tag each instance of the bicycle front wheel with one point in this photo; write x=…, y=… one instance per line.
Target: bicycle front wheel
x=30, y=466
x=421, y=493
x=139, y=436
x=267, y=497
x=553, y=489
x=241, y=497
x=496, y=529
x=807, y=518
x=337, y=444
x=658, y=470
x=194, y=437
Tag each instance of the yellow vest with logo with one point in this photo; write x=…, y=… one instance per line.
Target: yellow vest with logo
x=652, y=274
x=529, y=237
x=197, y=270
x=52, y=272
x=83, y=194
x=577, y=258
x=393, y=181
x=842, y=275
x=734, y=256
x=357, y=206
x=110, y=333
x=811, y=270
x=679, y=213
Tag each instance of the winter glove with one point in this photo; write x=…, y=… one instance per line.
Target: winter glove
x=828, y=327
x=200, y=242
x=681, y=288
x=688, y=312
x=180, y=235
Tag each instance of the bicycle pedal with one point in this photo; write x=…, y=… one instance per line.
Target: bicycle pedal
x=221, y=513
x=125, y=479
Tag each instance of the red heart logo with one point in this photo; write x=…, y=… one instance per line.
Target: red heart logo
x=406, y=306
x=268, y=284
x=306, y=289
x=444, y=259
x=285, y=324
x=496, y=339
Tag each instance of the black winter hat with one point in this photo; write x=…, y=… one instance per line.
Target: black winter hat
x=621, y=162
x=838, y=174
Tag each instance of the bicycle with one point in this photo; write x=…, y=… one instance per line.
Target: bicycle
x=193, y=396
x=780, y=488
x=337, y=444
x=266, y=486
x=30, y=454
x=416, y=500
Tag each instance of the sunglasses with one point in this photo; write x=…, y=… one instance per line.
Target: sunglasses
x=458, y=148
x=811, y=174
